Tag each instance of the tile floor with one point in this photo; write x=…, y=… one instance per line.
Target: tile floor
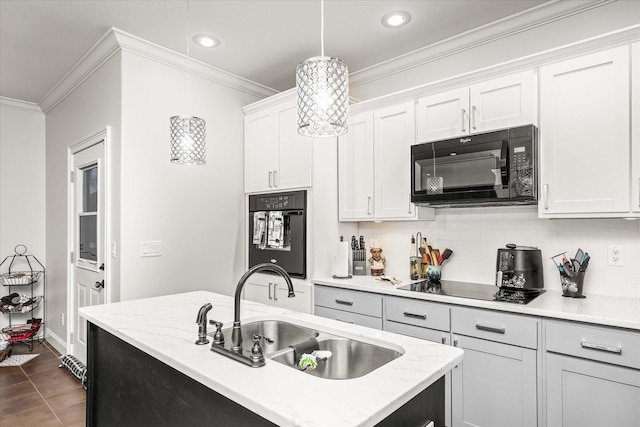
x=38, y=393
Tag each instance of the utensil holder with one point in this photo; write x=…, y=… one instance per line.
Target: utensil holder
x=359, y=268
x=572, y=285
x=434, y=272
x=415, y=267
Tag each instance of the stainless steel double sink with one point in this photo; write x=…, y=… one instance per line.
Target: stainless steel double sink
x=350, y=358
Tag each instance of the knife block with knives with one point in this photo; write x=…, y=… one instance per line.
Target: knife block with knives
x=358, y=256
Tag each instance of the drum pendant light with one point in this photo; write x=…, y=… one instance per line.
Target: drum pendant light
x=188, y=133
x=323, y=93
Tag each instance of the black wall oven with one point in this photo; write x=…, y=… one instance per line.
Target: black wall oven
x=493, y=168
x=278, y=231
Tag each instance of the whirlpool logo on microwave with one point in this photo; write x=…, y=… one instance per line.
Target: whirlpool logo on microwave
x=463, y=140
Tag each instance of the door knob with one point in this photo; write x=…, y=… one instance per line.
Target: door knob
x=99, y=285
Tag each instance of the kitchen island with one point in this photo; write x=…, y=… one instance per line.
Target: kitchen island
x=143, y=364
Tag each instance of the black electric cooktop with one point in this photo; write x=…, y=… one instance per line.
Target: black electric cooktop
x=473, y=290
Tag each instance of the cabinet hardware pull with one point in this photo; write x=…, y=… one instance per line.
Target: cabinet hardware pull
x=344, y=302
x=270, y=179
x=462, y=121
x=275, y=292
x=345, y=321
x=409, y=200
x=490, y=329
x=616, y=350
x=444, y=340
x=270, y=297
x=415, y=315
x=546, y=191
x=369, y=205
x=473, y=117
x=275, y=179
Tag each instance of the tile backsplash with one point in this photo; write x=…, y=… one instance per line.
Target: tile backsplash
x=475, y=234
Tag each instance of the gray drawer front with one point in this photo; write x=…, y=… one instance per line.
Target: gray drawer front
x=495, y=326
x=347, y=300
x=353, y=318
x=418, y=313
x=417, y=332
x=609, y=345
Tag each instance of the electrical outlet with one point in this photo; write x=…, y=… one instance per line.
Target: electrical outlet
x=61, y=319
x=616, y=255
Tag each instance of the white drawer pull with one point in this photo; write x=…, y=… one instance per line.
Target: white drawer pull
x=343, y=302
x=345, y=321
x=490, y=329
x=415, y=315
x=616, y=350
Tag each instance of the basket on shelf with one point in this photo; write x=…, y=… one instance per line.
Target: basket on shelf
x=24, y=331
x=17, y=278
x=27, y=306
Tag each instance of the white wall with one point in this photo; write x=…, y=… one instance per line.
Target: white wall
x=88, y=109
x=197, y=212
x=22, y=178
x=475, y=234
x=482, y=48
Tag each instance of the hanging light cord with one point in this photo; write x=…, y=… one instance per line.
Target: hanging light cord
x=322, y=27
x=188, y=53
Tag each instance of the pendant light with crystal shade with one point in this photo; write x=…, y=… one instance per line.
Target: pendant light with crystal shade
x=188, y=133
x=323, y=93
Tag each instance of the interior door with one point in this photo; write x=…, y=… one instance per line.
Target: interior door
x=88, y=185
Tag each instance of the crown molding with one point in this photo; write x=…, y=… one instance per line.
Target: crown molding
x=524, y=21
x=16, y=104
x=115, y=41
x=619, y=37
x=139, y=46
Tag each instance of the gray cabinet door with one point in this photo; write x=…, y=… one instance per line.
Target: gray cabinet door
x=494, y=386
x=585, y=393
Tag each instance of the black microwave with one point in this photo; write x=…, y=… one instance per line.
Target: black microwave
x=493, y=168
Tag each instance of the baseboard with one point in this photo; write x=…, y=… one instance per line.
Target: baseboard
x=57, y=342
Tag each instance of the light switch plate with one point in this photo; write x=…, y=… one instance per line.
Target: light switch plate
x=149, y=248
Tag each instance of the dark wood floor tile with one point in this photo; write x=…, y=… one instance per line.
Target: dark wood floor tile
x=11, y=375
x=41, y=416
x=19, y=404
x=16, y=390
x=45, y=365
x=73, y=414
x=54, y=382
x=67, y=398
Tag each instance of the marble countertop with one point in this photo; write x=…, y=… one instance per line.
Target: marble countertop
x=164, y=327
x=596, y=309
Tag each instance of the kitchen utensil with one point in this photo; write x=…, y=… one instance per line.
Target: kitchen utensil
x=579, y=255
x=585, y=264
x=446, y=254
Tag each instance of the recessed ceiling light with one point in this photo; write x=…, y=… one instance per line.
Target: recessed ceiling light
x=206, y=40
x=396, y=19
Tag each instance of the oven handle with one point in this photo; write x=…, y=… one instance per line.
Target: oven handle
x=504, y=163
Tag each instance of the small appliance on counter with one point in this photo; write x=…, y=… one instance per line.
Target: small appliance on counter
x=519, y=271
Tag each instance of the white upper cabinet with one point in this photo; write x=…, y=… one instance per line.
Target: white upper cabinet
x=373, y=166
x=489, y=105
x=355, y=169
x=585, y=136
x=635, y=128
x=276, y=156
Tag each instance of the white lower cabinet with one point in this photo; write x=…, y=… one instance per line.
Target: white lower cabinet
x=272, y=290
x=496, y=383
x=344, y=305
x=592, y=376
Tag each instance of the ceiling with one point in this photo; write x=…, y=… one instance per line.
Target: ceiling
x=261, y=40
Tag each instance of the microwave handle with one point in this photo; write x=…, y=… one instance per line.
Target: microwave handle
x=504, y=163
